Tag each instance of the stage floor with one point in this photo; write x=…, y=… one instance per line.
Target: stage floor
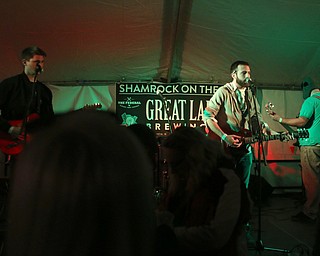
x=279, y=235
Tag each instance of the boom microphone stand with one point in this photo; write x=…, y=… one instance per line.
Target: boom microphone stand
x=162, y=173
x=37, y=71
x=164, y=102
x=259, y=244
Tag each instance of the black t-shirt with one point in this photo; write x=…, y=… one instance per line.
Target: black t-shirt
x=20, y=98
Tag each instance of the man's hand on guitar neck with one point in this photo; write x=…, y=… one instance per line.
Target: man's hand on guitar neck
x=269, y=106
x=15, y=131
x=275, y=117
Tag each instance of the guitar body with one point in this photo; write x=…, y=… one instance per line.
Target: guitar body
x=14, y=146
x=234, y=152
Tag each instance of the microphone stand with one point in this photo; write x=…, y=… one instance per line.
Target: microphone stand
x=163, y=99
x=162, y=173
x=259, y=244
x=38, y=70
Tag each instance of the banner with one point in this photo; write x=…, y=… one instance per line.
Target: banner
x=161, y=106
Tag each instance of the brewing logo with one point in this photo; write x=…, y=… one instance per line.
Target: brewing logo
x=129, y=102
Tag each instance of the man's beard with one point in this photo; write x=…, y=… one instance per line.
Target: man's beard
x=241, y=82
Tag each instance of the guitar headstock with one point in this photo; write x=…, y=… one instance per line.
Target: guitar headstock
x=92, y=106
x=269, y=108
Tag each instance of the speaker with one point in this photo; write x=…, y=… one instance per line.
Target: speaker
x=266, y=188
x=4, y=188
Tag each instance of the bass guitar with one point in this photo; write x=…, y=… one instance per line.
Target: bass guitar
x=269, y=108
x=14, y=146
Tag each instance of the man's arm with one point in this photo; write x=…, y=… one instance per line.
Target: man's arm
x=296, y=122
x=214, y=127
x=231, y=139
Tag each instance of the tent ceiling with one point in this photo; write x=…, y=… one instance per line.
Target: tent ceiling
x=164, y=40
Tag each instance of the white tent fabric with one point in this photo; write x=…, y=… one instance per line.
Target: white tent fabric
x=71, y=98
x=167, y=40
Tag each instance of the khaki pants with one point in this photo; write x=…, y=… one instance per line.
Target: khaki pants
x=310, y=163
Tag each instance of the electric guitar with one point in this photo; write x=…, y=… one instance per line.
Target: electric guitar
x=301, y=133
x=247, y=138
x=14, y=146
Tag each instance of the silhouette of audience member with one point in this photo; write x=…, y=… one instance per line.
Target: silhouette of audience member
x=148, y=139
x=83, y=187
x=206, y=205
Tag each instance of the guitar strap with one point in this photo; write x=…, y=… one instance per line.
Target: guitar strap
x=246, y=111
x=243, y=104
x=254, y=126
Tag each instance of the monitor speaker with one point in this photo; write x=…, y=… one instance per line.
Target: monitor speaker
x=254, y=186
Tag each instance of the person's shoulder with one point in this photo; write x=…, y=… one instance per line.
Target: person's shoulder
x=226, y=88
x=11, y=78
x=223, y=89
x=44, y=86
x=312, y=99
x=9, y=82
x=316, y=96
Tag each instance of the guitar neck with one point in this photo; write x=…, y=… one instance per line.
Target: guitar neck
x=250, y=140
x=299, y=134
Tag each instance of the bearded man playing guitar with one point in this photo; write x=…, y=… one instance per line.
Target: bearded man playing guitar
x=25, y=103
x=230, y=115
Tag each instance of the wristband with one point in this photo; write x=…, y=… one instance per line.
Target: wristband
x=224, y=136
x=280, y=120
x=10, y=130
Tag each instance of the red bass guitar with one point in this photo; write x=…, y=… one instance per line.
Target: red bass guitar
x=14, y=146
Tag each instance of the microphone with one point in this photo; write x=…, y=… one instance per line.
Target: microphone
x=249, y=81
x=39, y=68
x=160, y=94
